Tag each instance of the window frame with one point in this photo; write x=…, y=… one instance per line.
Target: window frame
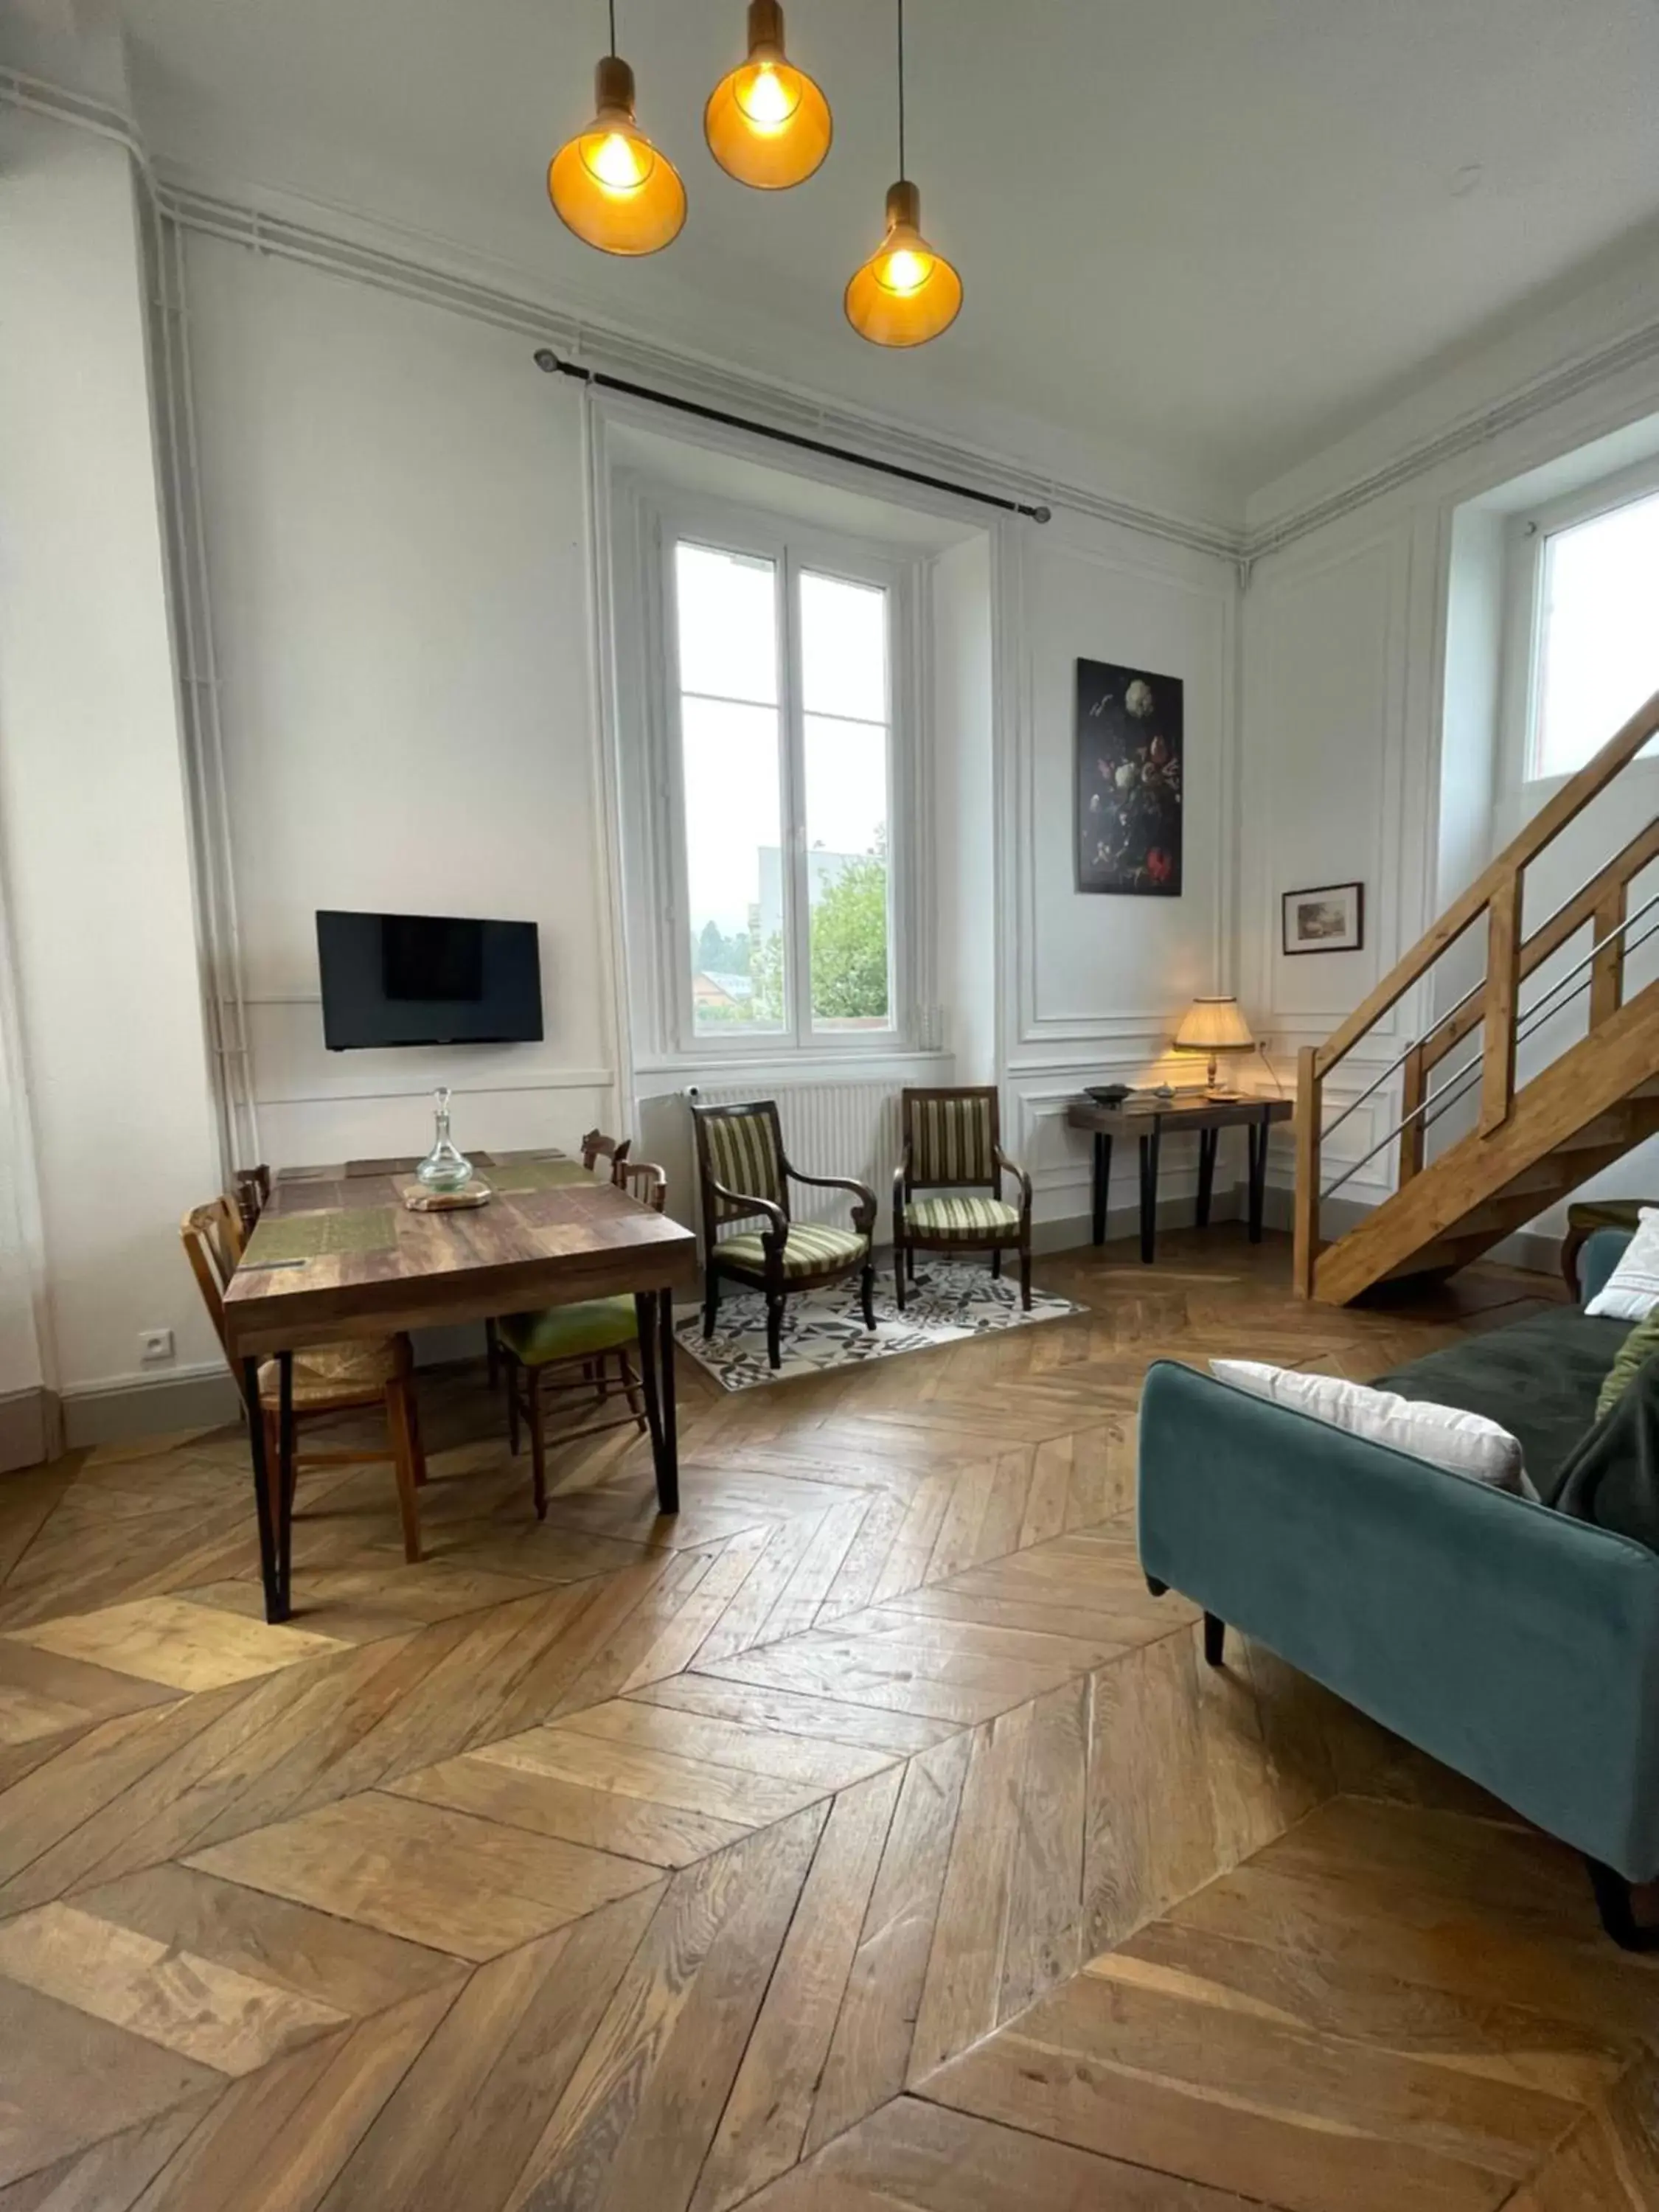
x=1527, y=537
x=792, y=547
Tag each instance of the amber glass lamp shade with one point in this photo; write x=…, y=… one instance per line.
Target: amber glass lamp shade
x=907, y=292
x=767, y=124
x=610, y=183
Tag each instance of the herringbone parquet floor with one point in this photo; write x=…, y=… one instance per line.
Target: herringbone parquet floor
x=867, y=1838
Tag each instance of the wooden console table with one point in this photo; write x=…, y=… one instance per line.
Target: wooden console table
x=336, y=1254
x=1151, y=1122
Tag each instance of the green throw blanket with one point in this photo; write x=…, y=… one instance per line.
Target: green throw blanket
x=1612, y=1480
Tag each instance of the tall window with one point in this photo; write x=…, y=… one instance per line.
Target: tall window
x=1597, y=639
x=785, y=773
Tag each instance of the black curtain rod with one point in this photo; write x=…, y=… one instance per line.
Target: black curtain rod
x=549, y=362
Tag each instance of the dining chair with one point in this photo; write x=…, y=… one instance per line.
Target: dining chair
x=253, y=1190
x=571, y=1348
x=595, y=1146
x=328, y=1378
x=746, y=1175
x=953, y=1152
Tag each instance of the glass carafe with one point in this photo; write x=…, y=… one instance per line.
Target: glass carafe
x=444, y=1168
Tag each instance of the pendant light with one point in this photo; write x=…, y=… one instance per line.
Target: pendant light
x=907, y=292
x=767, y=124
x=610, y=183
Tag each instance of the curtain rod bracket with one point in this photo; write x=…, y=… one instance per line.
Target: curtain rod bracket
x=550, y=364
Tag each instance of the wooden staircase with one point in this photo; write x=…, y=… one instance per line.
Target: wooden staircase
x=1531, y=1144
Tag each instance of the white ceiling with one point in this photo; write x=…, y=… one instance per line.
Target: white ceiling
x=1223, y=231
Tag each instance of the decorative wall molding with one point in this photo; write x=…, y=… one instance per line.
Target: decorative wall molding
x=348, y=1091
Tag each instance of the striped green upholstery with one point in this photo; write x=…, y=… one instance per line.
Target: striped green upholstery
x=951, y=1139
x=743, y=1154
x=809, y=1247
x=570, y=1332
x=960, y=1214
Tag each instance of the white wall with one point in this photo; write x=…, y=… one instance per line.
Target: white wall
x=93, y=817
x=965, y=827
x=1094, y=985
x=1352, y=681
x=394, y=532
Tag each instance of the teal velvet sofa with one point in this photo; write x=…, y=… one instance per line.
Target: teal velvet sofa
x=1511, y=1643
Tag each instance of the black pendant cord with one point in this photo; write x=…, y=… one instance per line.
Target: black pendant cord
x=547, y=361
x=900, y=88
x=613, y=29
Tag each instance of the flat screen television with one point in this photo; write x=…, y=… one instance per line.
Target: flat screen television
x=426, y=979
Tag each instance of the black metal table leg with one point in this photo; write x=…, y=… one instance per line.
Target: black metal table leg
x=1102, y=1180
x=1149, y=1150
x=655, y=1311
x=273, y=1486
x=648, y=1323
x=286, y=1474
x=262, y=1498
x=1207, y=1141
x=668, y=1459
x=1258, y=1133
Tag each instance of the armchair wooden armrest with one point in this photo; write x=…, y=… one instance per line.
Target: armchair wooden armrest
x=863, y=1210
x=777, y=1221
x=1007, y=1165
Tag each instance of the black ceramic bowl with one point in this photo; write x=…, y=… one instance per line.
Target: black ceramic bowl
x=1107, y=1094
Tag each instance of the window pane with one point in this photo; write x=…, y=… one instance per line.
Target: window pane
x=734, y=865
x=1601, y=643
x=728, y=631
x=847, y=873
x=843, y=645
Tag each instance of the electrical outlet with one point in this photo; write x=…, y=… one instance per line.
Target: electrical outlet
x=154, y=1345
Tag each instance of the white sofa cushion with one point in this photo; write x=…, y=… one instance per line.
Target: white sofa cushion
x=1631, y=1291
x=1445, y=1436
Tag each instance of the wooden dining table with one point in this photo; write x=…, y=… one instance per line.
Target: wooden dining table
x=336, y=1254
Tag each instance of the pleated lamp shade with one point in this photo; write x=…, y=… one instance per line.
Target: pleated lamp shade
x=1213, y=1026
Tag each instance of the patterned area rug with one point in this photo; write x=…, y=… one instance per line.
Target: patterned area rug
x=950, y=1300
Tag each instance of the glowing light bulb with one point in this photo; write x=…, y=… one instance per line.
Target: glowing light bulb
x=766, y=122
x=765, y=99
x=608, y=184
x=620, y=163
x=905, y=272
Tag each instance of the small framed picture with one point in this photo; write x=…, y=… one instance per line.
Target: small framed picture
x=1330, y=918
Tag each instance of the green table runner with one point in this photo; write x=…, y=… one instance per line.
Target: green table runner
x=283, y=1237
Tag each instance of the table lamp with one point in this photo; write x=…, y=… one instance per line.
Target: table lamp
x=1213, y=1026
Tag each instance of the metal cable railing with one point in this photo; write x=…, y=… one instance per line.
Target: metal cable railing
x=1458, y=1084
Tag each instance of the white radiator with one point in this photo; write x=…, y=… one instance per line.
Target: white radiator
x=832, y=1128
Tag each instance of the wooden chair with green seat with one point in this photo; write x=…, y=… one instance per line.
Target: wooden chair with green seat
x=745, y=1176
x=578, y=1342
x=328, y=1378
x=953, y=1153
x=596, y=1146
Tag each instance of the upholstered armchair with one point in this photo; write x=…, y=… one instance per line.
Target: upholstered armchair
x=745, y=1177
x=953, y=1155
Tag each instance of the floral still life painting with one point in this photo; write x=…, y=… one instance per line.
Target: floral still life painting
x=1129, y=780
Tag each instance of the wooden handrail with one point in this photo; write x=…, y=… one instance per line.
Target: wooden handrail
x=1494, y=1007
x=1574, y=796
x=1609, y=883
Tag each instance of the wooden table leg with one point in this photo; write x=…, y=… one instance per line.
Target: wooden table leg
x=1207, y=1141
x=1149, y=1150
x=1102, y=1182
